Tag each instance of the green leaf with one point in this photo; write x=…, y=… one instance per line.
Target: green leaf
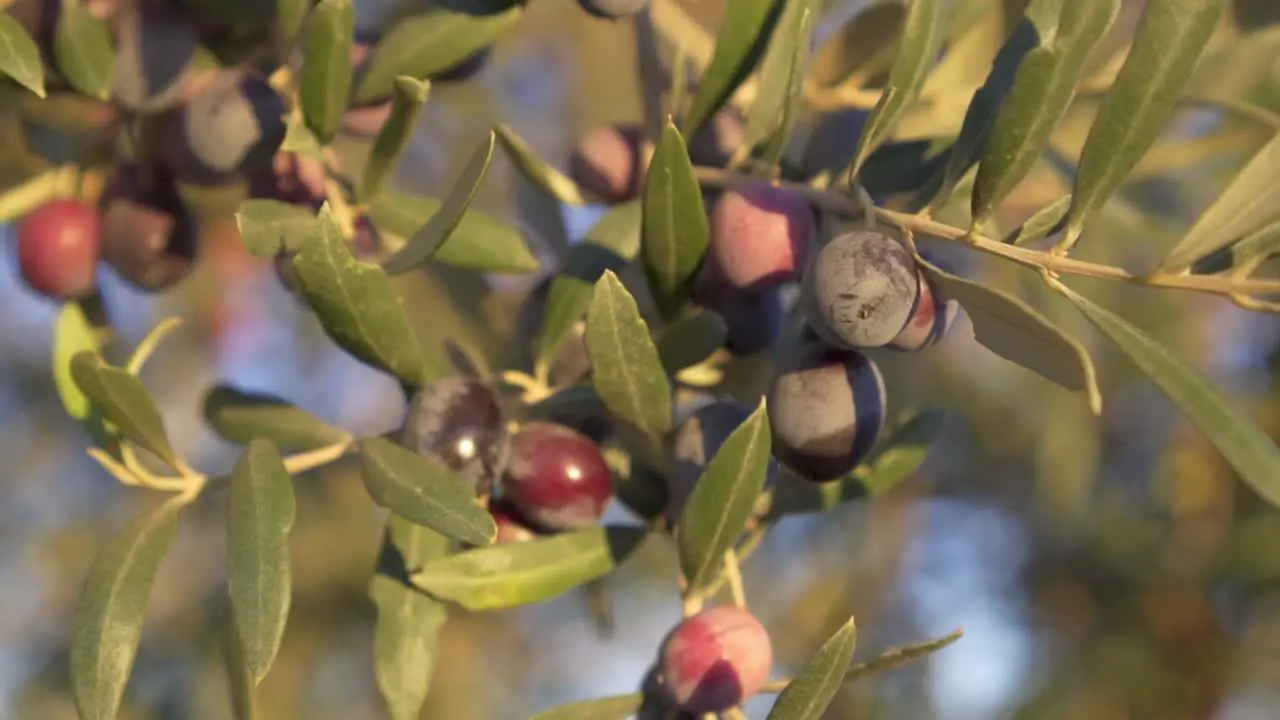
x=626, y=371
x=1259, y=244
x=782, y=71
x=19, y=55
x=742, y=38
x=1042, y=224
x=479, y=242
x=124, y=401
x=290, y=16
x=674, y=230
x=82, y=48
x=431, y=42
x=421, y=490
x=325, y=80
x=1169, y=40
x=724, y=498
x=431, y=236
x=895, y=658
x=107, y=622
x=512, y=575
x=536, y=170
x=243, y=705
x=407, y=630
x=811, y=692
x=1249, y=201
x=406, y=106
x=260, y=514
x=299, y=139
x=691, y=339
x=901, y=455
x=1034, y=30
x=922, y=35
x=72, y=335
x=609, y=708
x=610, y=245
x=1017, y=332
x=241, y=416
x=1041, y=92
x=1244, y=445
x=360, y=310
x=270, y=227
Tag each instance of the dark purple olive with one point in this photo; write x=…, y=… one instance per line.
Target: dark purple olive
x=459, y=422
x=148, y=236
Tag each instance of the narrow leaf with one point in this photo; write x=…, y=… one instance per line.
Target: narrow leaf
x=1041, y=92
x=1244, y=445
x=240, y=680
x=72, y=335
x=724, y=498
x=609, y=708
x=1017, y=332
x=691, y=339
x=507, y=576
x=626, y=371
x=1169, y=40
x=1249, y=201
x=290, y=16
x=610, y=245
x=431, y=236
x=421, y=490
x=360, y=310
x=107, y=622
x=742, y=39
x=782, y=71
x=325, y=80
x=406, y=106
x=124, y=401
x=260, y=514
x=479, y=242
x=407, y=631
x=431, y=42
x=895, y=658
x=811, y=692
x=240, y=417
x=82, y=47
x=270, y=227
x=19, y=55
x=901, y=455
x=1262, y=243
x=674, y=230
x=922, y=35
x=1044, y=223
x=536, y=170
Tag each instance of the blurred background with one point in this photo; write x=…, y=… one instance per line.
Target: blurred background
x=1107, y=568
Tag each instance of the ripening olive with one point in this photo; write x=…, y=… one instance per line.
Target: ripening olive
x=609, y=162
x=760, y=235
x=232, y=128
x=859, y=290
x=512, y=526
x=58, y=247
x=459, y=422
x=715, y=660
x=148, y=237
x=826, y=411
x=613, y=9
x=291, y=178
x=557, y=477
x=930, y=320
x=717, y=140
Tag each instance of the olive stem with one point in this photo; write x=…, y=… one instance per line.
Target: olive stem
x=148, y=346
x=734, y=575
x=1210, y=284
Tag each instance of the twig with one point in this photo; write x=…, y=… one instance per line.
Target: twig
x=143, y=352
x=734, y=575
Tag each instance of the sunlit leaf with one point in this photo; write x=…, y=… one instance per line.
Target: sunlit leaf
x=782, y=71
x=407, y=99
x=741, y=40
x=1169, y=40
x=537, y=170
x=723, y=498
x=423, y=491
x=19, y=55
x=325, y=79
x=270, y=227
x=895, y=658
x=124, y=401
x=107, y=622
x=479, y=242
x=360, y=310
x=1250, y=200
x=241, y=416
x=691, y=339
x=82, y=48
x=811, y=692
x=1244, y=445
x=72, y=335
x=922, y=35
x=1017, y=332
x=1042, y=90
x=431, y=42
x=609, y=708
x=260, y=515
x=511, y=575
x=626, y=370
x=674, y=229
x=437, y=230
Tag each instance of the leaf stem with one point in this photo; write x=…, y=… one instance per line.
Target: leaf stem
x=1037, y=259
x=143, y=352
x=734, y=575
